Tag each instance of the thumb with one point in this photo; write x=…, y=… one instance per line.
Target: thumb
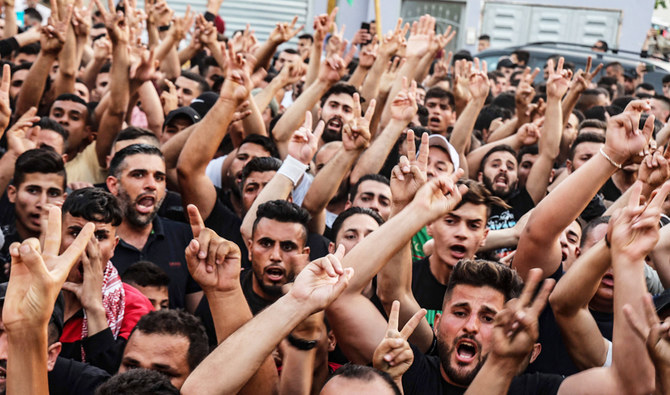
x=342, y=282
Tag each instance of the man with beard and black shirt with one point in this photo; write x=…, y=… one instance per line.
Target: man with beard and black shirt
x=137, y=179
x=337, y=109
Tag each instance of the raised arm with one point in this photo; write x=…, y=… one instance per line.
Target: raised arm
x=317, y=285
x=538, y=245
x=282, y=33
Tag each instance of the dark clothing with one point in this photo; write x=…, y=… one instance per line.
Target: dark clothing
x=424, y=377
x=610, y=191
x=165, y=247
x=11, y=236
x=70, y=377
x=520, y=203
x=171, y=208
x=428, y=292
x=554, y=357
x=227, y=224
x=7, y=46
x=594, y=209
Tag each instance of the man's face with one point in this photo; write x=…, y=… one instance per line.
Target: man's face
x=176, y=125
x=613, y=72
x=52, y=139
x=420, y=96
x=17, y=82
x=354, y=229
x=105, y=233
x=459, y=234
x=304, y=46
x=140, y=188
x=440, y=115
x=666, y=89
x=439, y=163
x=72, y=116
x=527, y=161
x=660, y=110
x=167, y=354
x=482, y=45
x=584, y=152
x=187, y=90
x=30, y=198
x=101, y=83
x=24, y=58
x=465, y=331
x=158, y=296
x=253, y=185
x=374, y=195
x=336, y=111
x=570, y=244
x=500, y=173
x=245, y=153
x=605, y=291
x=81, y=90
x=275, y=251
x=213, y=72
x=285, y=57
x=498, y=85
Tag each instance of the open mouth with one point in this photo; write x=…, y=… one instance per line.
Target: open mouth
x=35, y=219
x=335, y=124
x=145, y=204
x=434, y=120
x=501, y=181
x=466, y=350
x=608, y=280
x=458, y=251
x=274, y=274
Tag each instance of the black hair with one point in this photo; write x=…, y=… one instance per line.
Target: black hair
x=596, y=112
x=283, y=211
x=646, y=86
x=590, y=226
x=482, y=273
x=484, y=37
x=291, y=51
x=613, y=64
x=338, y=88
x=105, y=68
x=138, y=382
x=368, y=177
x=505, y=100
x=497, y=148
x=527, y=149
x=586, y=137
x=306, y=36
x=666, y=78
x=145, y=274
x=623, y=101
x=70, y=97
x=93, y=204
x=522, y=55
x=32, y=13
x=350, y=212
x=28, y=49
x=134, y=149
x=593, y=123
x=439, y=93
x=260, y=164
x=488, y=114
x=177, y=323
x=202, y=82
x=42, y=160
x=366, y=374
x=479, y=195
x=205, y=64
x=264, y=142
x=21, y=66
x=134, y=132
x=46, y=123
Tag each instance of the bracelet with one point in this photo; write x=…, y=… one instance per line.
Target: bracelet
x=165, y=28
x=292, y=169
x=610, y=160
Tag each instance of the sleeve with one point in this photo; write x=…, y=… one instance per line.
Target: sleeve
x=7, y=46
x=654, y=285
x=536, y=384
x=103, y=352
x=213, y=170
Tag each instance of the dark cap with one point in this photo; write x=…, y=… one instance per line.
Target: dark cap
x=204, y=102
x=182, y=112
x=630, y=74
x=56, y=315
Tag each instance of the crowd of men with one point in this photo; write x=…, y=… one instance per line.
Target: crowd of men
x=190, y=210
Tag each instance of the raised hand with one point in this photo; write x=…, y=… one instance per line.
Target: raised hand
x=394, y=355
x=37, y=276
x=393, y=40
x=52, y=35
x=169, y=99
x=528, y=134
x=115, y=22
x=516, y=327
x=403, y=106
x=410, y=173
x=655, y=333
x=421, y=36
x=322, y=281
x=478, y=80
x=144, y=68
x=625, y=141
x=283, y=31
x=237, y=85
x=389, y=75
x=214, y=262
x=181, y=26
x=655, y=168
x=583, y=78
x=440, y=195
x=356, y=133
x=81, y=21
x=323, y=24
x=19, y=140
x=292, y=73
x=368, y=54
x=525, y=93
x=462, y=80
x=304, y=142
x=558, y=80
x=89, y=292
x=102, y=49
x=634, y=230
x=5, y=108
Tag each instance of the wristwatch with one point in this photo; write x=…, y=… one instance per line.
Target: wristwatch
x=301, y=344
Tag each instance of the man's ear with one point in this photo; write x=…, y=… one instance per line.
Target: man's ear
x=537, y=349
x=429, y=229
x=348, y=205
x=65, y=157
x=331, y=248
x=112, y=185
x=568, y=165
x=578, y=252
x=436, y=323
x=551, y=175
x=332, y=341
x=11, y=193
x=486, y=233
x=52, y=354
x=480, y=176
x=306, y=252
x=249, y=242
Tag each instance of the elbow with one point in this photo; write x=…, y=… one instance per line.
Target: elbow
x=558, y=305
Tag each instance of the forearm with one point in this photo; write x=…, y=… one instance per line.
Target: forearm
x=34, y=83
x=423, y=68
x=67, y=67
x=264, y=53
x=151, y=105
x=407, y=71
x=663, y=380
x=295, y=114
x=187, y=54
x=297, y=371
x=28, y=37
x=170, y=65
x=263, y=98
x=328, y=180
x=507, y=129
x=370, y=88
x=373, y=158
x=27, y=361
x=152, y=35
x=96, y=319
x=358, y=76
x=172, y=148
x=549, y=149
x=569, y=102
x=7, y=163
x=314, y=62
x=254, y=124
x=10, y=29
x=495, y=376
x=91, y=72
x=462, y=132
x=500, y=238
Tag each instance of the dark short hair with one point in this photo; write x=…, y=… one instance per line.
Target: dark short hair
x=202, y=82
x=74, y=98
x=484, y=37
x=306, y=36
x=666, y=78
x=283, y=211
x=260, y=164
x=439, y=93
x=93, y=204
x=522, y=55
x=134, y=132
x=615, y=64
x=39, y=160
x=105, y=68
x=264, y=142
x=590, y=226
x=340, y=87
x=586, y=137
x=505, y=100
x=145, y=274
x=46, y=123
x=177, y=323
x=488, y=114
x=592, y=123
x=138, y=382
x=497, y=148
x=21, y=66
x=482, y=273
x=365, y=374
x=28, y=49
x=350, y=212
x=134, y=149
x=646, y=86
x=368, y=177
x=32, y=13
x=478, y=195
x=527, y=150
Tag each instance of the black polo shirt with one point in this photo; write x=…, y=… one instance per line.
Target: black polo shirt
x=165, y=247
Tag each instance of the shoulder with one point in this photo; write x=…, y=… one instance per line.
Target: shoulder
x=536, y=383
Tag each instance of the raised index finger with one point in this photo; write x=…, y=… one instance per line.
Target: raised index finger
x=413, y=322
x=533, y=279
x=194, y=218
x=357, y=106
x=392, y=326
x=53, y=232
